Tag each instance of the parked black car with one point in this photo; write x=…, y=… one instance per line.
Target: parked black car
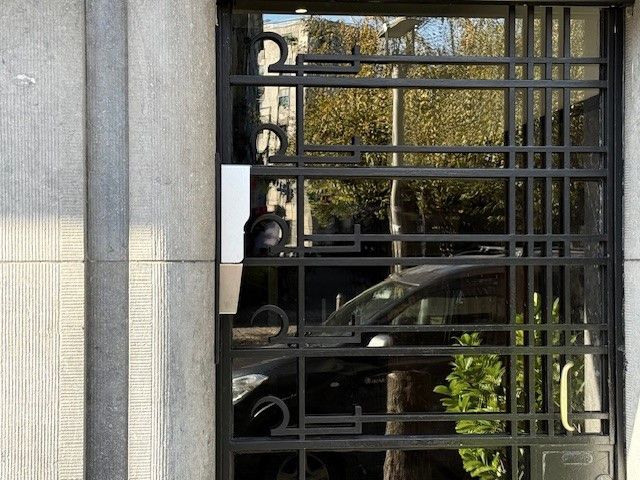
x=456, y=295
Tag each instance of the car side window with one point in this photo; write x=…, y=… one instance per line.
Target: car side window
x=461, y=300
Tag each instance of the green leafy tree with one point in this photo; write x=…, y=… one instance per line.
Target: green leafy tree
x=432, y=117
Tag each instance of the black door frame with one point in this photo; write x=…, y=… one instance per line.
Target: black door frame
x=615, y=166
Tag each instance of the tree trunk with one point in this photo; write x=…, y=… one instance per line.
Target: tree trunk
x=407, y=391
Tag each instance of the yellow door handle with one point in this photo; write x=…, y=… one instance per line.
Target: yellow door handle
x=564, y=397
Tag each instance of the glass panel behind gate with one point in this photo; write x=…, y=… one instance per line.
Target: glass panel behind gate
x=427, y=246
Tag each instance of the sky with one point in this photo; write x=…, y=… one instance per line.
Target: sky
x=277, y=18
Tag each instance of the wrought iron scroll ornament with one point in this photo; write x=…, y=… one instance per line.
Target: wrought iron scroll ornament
x=283, y=337
x=354, y=150
x=306, y=63
x=285, y=230
x=283, y=429
x=280, y=156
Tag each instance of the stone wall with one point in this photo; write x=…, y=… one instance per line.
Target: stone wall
x=42, y=239
x=107, y=129
x=631, y=227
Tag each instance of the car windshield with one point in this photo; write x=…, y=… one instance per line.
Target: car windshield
x=364, y=308
x=461, y=299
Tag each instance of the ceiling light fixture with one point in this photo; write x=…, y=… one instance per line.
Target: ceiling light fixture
x=301, y=10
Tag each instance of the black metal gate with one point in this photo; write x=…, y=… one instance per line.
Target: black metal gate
x=418, y=241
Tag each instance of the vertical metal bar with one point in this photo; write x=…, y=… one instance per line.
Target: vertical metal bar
x=548, y=296
x=302, y=457
x=302, y=464
x=566, y=183
x=224, y=404
x=615, y=36
x=530, y=359
x=511, y=203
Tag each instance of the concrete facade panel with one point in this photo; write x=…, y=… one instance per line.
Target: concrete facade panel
x=171, y=129
x=42, y=130
x=171, y=370
x=631, y=237
x=42, y=370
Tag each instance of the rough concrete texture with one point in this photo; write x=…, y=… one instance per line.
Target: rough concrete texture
x=631, y=238
x=41, y=370
x=632, y=380
x=42, y=217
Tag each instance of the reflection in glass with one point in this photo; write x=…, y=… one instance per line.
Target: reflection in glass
x=429, y=295
x=272, y=228
x=333, y=116
x=329, y=348
x=427, y=206
x=372, y=465
x=263, y=286
x=585, y=117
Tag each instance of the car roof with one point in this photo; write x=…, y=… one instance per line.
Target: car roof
x=425, y=274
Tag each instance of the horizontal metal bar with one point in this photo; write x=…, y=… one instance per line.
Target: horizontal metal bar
x=372, y=82
x=406, y=442
x=413, y=351
x=462, y=149
x=414, y=261
x=440, y=8
x=445, y=59
x=507, y=327
x=444, y=417
x=416, y=172
x=458, y=238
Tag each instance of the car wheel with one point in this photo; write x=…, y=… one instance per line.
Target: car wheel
x=317, y=469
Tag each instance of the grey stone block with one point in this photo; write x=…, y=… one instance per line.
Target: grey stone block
x=42, y=130
x=42, y=370
x=632, y=353
x=107, y=161
x=171, y=129
x=171, y=370
x=107, y=370
x=632, y=138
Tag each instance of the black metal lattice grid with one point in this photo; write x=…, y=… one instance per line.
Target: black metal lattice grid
x=303, y=168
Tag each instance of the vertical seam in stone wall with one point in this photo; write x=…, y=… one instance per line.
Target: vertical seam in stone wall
x=107, y=239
